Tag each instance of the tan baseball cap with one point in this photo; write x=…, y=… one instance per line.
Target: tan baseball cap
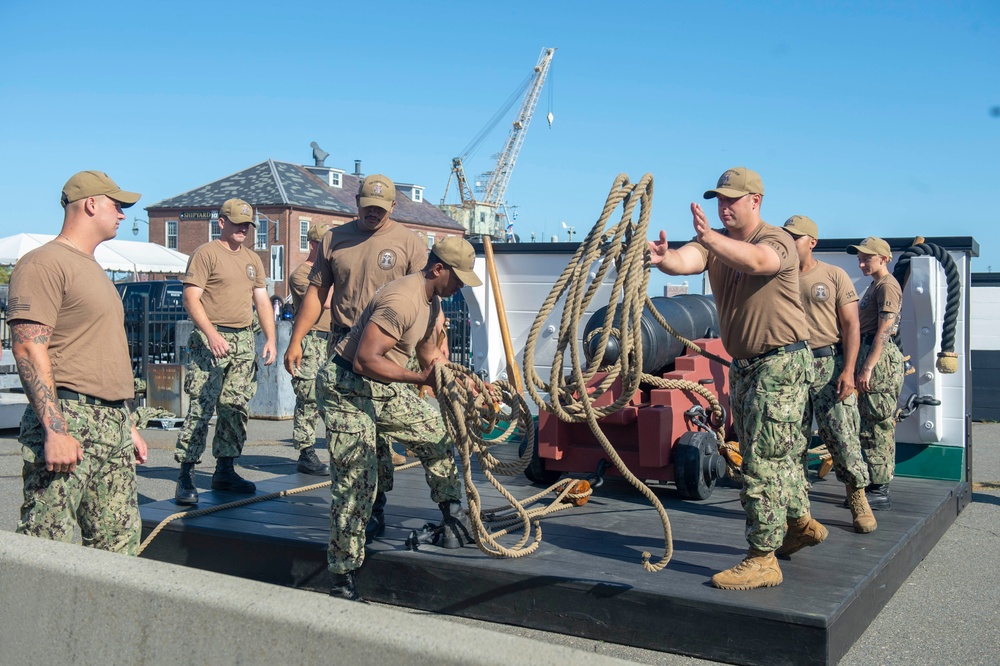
x=460, y=255
x=737, y=182
x=871, y=245
x=800, y=225
x=94, y=183
x=378, y=191
x=237, y=211
x=317, y=231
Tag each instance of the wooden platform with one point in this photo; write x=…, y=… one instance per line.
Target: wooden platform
x=586, y=578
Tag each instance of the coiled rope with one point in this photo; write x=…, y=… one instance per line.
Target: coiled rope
x=471, y=409
x=621, y=245
x=947, y=359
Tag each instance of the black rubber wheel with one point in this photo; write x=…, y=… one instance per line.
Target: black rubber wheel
x=697, y=465
x=535, y=471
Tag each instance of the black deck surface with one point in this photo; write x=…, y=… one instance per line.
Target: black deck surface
x=586, y=579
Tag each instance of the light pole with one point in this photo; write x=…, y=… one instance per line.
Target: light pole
x=135, y=225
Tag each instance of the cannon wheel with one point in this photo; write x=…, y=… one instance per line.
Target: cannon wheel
x=535, y=471
x=697, y=465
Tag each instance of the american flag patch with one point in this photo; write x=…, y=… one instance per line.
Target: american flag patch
x=17, y=305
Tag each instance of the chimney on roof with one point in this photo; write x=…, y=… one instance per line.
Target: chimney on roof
x=357, y=168
x=319, y=155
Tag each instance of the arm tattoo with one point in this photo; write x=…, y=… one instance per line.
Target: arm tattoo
x=37, y=385
x=890, y=329
x=29, y=331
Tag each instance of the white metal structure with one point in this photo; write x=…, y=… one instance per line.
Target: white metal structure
x=484, y=216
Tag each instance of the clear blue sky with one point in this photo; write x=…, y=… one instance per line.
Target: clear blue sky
x=870, y=117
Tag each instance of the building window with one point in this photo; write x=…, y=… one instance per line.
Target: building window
x=261, y=241
x=171, y=234
x=214, y=232
x=304, y=224
x=335, y=179
x=278, y=263
x=418, y=194
x=430, y=241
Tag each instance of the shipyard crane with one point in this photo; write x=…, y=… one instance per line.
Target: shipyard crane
x=487, y=214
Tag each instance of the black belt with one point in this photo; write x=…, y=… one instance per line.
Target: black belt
x=341, y=330
x=320, y=334
x=787, y=349
x=66, y=394
x=230, y=329
x=829, y=350
x=868, y=339
x=343, y=362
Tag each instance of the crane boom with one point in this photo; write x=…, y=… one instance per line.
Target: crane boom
x=496, y=186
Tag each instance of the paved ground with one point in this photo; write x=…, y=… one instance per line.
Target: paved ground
x=948, y=612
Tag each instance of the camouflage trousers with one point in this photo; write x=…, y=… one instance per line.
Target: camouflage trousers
x=838, y=422
x=100, y=495
x=878, y=411
x=383, y=442
x=225, y=384
x=767, y=399
x=304, y=386
x=355, y=408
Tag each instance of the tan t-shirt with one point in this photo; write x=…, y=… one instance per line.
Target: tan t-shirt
x=356, y=264
x=881, y=296
x=66, y=289
x=824, y=290
x=298, y=281
x=402, y=310
x=228, y=279
x=758, y=313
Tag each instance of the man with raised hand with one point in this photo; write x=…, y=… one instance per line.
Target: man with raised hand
x=753, y=269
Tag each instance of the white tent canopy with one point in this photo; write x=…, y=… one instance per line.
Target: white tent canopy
x=114, y=255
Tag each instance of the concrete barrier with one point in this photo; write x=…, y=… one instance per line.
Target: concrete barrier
x=275, y=398
x=67, y=604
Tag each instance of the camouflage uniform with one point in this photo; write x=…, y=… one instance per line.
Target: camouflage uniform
x=355, y=408
x=767, y=398
x=227, y=383
x=304, y=386
x=878, y=409
x=838, y=421
x=100, y=494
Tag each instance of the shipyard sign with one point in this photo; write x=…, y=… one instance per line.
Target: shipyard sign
x=200, y=215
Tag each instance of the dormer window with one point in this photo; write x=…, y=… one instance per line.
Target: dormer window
x=336, y=179
x=414, y=193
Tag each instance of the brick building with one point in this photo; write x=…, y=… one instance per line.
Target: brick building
x=288, y=198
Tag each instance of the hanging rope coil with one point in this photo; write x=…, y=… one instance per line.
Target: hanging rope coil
x=947, y=358
x=624, y=247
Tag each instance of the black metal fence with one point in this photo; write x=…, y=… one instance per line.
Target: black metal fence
x=151, y=332
x=459, y=329
x=4, y=329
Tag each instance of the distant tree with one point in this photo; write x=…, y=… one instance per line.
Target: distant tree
x=4, y=274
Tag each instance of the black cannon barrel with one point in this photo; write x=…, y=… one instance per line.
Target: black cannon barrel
x=693, y=316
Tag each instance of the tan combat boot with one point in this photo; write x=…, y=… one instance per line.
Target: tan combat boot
x=758, y=569
x=864, y=519
x=802, y=532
